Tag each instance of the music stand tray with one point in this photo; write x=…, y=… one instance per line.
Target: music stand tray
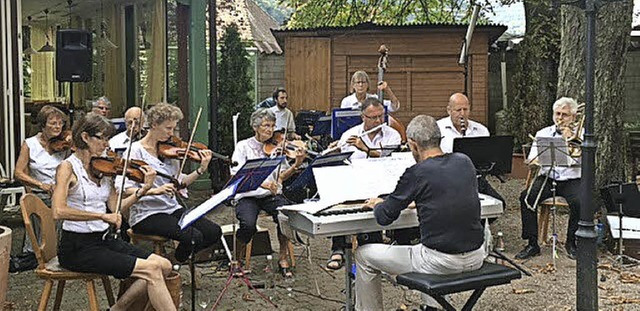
x=306, y=178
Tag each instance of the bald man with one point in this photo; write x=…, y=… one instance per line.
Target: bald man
x=121, y=141
x=457, y=124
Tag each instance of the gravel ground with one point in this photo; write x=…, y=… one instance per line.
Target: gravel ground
x=313, y=288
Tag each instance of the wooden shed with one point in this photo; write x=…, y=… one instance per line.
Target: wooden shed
x=422, y=70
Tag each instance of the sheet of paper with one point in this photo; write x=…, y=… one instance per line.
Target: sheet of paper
x=363, y=179
x=207, y=205
x=309, y=207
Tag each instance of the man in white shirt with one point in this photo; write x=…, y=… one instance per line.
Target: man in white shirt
x=567, y=181
x=284, y=116
x=457, y=124
x=120, y=142
x=364, y=146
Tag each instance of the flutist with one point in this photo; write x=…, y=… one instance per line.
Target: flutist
x=567, y=181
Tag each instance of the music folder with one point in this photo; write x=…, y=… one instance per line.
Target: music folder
x=248, y=178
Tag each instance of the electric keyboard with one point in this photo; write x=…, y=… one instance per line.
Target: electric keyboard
x=347, y=219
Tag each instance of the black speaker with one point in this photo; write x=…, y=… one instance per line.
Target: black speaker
x=74, y=55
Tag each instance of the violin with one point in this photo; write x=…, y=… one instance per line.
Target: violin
x=61, y=142
x=174, y=148
x=290, y=147
x=112, y=165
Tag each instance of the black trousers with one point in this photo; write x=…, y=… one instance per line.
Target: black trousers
x=247, y=212
x=569, y=189
x=203, y=232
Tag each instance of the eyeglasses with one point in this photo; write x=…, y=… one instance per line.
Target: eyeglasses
x=267, y=126
x=374, y=118
x=100, y=137
x=103, y=108
x=59, y=123
x=360, y=82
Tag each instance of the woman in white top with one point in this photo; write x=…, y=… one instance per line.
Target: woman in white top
x=83, y=201
x=360, y=85
x=158, y=211
x=37, y=161
x=268, y=196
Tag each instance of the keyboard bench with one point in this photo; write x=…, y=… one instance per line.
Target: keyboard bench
x=437, y=286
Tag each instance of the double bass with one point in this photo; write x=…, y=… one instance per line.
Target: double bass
x=382, y=66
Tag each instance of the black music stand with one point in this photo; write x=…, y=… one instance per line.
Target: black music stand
x=490, y=155
x=248, y=178
x=624, y=200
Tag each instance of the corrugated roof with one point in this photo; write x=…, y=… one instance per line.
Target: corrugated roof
x=495, y=30
x=261, y=25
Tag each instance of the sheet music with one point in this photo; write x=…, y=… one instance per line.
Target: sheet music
x=217, y=199
x=363, y=179
x=557, y=145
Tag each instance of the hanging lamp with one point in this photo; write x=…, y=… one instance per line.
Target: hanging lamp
x=47, y=47
x=29, y=50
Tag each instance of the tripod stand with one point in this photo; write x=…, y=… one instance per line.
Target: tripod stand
x=235, y=268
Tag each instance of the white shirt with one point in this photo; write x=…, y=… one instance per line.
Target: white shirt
x=151, y=204
x=119, y=142
x=284, y=119
x=559, y=173
x=42, y=164
x=87, y=196
x=250, y=149
x=387, y=136
x=352, y=102
x=449, y=132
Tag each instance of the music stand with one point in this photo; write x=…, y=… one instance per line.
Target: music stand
x=552, y=152
x=248, y=178
x=495, y=160
x=623, y=200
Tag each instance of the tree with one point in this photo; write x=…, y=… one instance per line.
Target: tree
x=234, y=86
x=321, y=13
x=612, y=39
x=536, y=74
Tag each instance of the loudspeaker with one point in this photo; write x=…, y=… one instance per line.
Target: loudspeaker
x=74, y=55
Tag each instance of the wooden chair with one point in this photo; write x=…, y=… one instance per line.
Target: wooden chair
x=158, y=241
x=46, y=251
x=544, y=209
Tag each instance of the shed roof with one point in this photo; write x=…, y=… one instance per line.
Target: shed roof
x=261, y=25
x=494, y=30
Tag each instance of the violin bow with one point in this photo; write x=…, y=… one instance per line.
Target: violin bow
x=193, y=133
x=124, y=175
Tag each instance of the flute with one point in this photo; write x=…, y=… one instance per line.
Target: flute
x=340, y=145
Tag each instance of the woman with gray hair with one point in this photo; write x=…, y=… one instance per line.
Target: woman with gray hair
x=360, y=86
x=268, y=196
x=101, y=106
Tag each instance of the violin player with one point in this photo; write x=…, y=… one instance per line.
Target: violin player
x=81, y=200
x=269, y=195
x=158, y=211
x=284, y=116
x=38, y=159
x=133, y=119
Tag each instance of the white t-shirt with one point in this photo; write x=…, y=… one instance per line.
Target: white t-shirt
x=284, y=119
x=559, y=173
x=449, y=132
x=387, y=136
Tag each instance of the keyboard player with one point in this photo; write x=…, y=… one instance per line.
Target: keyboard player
x=445, y=190
x=363, y=146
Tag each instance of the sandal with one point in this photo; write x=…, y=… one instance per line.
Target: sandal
x=335, y=262
x=285, y=269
